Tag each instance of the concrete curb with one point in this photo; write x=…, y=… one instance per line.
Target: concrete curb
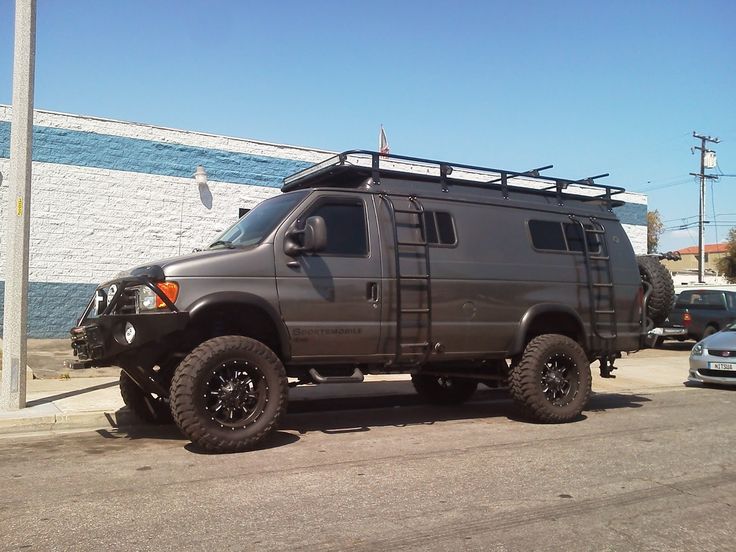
x=67, y=421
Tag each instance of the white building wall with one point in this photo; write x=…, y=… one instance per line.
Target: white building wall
x=110, y=195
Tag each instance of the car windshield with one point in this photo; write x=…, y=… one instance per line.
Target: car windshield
x=257, y=223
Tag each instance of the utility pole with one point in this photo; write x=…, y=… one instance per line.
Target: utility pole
x=701, y=218
x=15, y=317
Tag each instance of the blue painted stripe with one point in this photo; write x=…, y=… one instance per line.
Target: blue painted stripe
x=53, y=308
x=632, y=213
x=104, y=151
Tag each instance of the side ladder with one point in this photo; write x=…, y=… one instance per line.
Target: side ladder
x=422, y=310
x=601, y=291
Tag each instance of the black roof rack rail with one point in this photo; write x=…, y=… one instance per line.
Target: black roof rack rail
x=453, y=174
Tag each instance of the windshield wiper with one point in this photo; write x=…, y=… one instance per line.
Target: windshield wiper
x=225, y=243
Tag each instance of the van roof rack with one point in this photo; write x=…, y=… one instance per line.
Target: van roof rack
x=374, y=164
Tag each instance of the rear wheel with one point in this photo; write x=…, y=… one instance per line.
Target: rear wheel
x=229, y=393
x=552, y=381
x=710, y=330
x=443, y=389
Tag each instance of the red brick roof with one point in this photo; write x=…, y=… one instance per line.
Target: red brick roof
x=709, y=248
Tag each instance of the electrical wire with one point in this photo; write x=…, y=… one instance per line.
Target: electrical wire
x=713, y=206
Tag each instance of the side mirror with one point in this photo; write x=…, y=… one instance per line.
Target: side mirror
x=315, y=235
x=310, y=240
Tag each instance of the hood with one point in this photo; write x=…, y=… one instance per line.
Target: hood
x=721, y=340
x=219, y=262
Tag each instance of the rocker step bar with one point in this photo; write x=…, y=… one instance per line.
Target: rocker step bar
x=356, y=377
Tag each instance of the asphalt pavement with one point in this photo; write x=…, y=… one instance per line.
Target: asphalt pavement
x=67, y=403
x=640, y=471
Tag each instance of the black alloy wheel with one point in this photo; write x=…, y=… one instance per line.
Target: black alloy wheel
x=229, y=393
x=560, y=377
x=237, y=394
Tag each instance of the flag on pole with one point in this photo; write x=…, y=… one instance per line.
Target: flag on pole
x=383, y=147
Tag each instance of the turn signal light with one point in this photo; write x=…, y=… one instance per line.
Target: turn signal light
x=170, y=290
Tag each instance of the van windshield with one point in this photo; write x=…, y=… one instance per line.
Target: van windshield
x=260, y=221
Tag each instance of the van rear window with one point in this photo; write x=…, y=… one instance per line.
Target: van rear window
x=561, y=236
x=440, y=228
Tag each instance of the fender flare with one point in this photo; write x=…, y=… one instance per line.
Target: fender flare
x=517, y=343
x=245, y=299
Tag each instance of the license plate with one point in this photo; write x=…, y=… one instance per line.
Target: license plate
x=730, y=366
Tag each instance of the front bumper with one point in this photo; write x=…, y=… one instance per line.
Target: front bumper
x=701, y=370
x=102, y=340
x=99, y=340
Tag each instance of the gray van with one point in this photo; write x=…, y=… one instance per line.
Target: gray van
x=380, y=264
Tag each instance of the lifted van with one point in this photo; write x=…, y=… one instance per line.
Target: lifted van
x=371, y=263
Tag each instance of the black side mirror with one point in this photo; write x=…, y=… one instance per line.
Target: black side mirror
x=313, y=238
x=315, y=235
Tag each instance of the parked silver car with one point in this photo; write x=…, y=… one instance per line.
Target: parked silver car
x=713, y=360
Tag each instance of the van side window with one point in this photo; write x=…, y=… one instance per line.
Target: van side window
x=347, y=231
x=547, y=234
x=440, y=228
x=556, y=236
x=573, y=235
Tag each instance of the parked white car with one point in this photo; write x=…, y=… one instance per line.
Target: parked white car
x=713, y=360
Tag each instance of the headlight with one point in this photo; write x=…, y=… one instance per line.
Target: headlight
x=148, y=300
x=697, y=350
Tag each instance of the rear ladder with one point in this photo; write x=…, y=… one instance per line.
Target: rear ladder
x=601, y=290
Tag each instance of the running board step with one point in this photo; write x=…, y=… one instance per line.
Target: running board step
x=356, y=377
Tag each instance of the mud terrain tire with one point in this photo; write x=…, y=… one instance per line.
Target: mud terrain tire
x=229, y=394
x=663, y=290
x=552, y=381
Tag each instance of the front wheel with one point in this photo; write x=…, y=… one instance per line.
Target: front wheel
x=229, y=393
x=552, y=382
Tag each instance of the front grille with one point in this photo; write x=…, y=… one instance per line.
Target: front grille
x=722, y=353
x=718, y=373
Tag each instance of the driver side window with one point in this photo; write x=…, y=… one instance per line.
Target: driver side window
x=347, y=231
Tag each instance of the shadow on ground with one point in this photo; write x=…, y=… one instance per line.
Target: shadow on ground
x=360, y=414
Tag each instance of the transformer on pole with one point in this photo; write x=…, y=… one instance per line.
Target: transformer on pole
x=707, y=160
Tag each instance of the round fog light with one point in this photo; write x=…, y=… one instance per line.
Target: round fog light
x=129, y=332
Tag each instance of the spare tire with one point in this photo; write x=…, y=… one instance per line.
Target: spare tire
x=663, y=290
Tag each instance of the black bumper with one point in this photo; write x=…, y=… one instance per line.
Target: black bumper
x=103, y=339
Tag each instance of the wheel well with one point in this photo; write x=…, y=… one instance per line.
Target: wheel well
x=556, y=323
x=237, y=319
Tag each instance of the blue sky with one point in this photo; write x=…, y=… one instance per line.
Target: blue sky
x=590, y=87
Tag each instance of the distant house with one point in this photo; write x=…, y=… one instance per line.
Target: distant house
x=685, y=271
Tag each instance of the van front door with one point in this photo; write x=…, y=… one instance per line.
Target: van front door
x=331, y=300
